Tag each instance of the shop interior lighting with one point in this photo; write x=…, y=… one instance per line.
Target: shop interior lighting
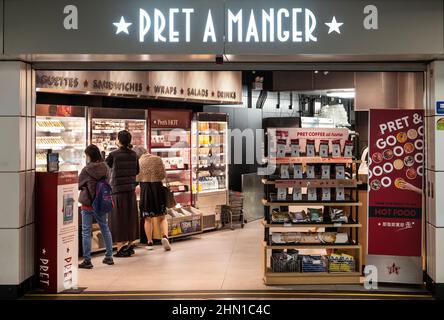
x=344, y=94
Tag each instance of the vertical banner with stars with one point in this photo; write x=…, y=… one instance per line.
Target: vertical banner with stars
x=396, y=169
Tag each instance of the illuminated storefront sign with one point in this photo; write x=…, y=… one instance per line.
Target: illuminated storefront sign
x=230, y=26
x=200, y=86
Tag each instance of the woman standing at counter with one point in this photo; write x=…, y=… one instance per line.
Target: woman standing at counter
x=124, y=218
x=152, y=196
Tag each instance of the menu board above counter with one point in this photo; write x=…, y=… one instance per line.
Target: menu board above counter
x=222, y=87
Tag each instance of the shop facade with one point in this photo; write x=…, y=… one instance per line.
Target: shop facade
x=216, y=36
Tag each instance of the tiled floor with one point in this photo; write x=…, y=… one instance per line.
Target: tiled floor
x=221, y=260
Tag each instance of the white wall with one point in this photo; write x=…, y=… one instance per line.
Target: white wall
x=17, y=172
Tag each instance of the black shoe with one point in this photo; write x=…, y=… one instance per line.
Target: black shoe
x=108, y=260
x=86, y=264
x=122, y=253
x=130, y=250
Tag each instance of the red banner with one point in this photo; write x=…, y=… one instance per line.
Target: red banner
x=396, y=169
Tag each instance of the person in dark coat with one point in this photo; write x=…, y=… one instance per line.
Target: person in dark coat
x=94, y=171
x=124, y=167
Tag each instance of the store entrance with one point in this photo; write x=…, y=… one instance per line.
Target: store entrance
x=193, y=129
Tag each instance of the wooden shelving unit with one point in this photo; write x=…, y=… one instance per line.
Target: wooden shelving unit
x=351, y=203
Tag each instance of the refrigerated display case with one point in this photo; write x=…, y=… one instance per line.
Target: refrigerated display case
x=106, y=124
x=61, y=129
x=171, y=140
x=210, y=169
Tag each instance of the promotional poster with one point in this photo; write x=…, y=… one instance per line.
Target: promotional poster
x=396, y=170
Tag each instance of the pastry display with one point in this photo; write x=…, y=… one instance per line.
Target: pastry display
x=388, y=154
x=104, y=132
x=401, y=137
x=398, y=164
x=409, y=161
x=409, y=147
x=375, y=184
x=399, y=182
x=411, y=173
x=63, y=135
x=412, y=134
x=377, y=157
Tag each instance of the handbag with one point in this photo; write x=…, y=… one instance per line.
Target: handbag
x=170, y=201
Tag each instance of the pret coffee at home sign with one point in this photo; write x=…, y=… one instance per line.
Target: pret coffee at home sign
x=396, y=170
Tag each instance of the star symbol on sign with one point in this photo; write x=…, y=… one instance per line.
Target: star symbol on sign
x=122, y=26
x=181, y=91
x=148, y=88
x=43, y=251
x=85, y=83
x=334, y=26
x=393, y=269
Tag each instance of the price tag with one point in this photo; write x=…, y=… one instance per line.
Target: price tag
x=287, y=224
x=181, y=188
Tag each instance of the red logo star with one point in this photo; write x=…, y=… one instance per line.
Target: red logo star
x=393, y=269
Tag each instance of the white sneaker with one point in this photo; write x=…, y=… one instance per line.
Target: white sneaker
x=166, y=244
x=149, y=247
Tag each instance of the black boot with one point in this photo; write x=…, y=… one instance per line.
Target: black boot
x=122, y=253
x=86, y=264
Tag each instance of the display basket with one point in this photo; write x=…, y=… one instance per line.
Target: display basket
x=314, y=263
x=341, y=265
x=285, y=262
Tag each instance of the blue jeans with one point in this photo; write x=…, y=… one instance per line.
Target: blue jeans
x=102, y=220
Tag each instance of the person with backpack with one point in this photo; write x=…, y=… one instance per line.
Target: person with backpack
x=124, y=219
x=96, y=199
